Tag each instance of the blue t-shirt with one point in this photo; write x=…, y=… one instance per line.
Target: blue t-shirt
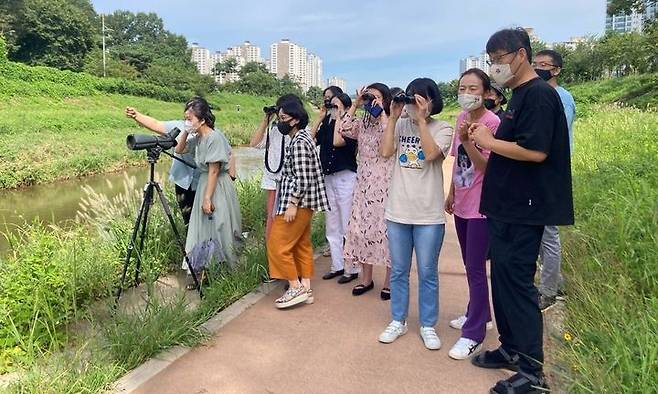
x=569, y=111
x=181, y=174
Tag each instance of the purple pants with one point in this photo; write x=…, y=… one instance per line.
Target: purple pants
x=474, y=242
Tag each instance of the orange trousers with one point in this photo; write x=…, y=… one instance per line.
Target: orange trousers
x=289, y=248
x=271, y=198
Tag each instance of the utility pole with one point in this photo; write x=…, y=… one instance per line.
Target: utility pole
x=103, y=29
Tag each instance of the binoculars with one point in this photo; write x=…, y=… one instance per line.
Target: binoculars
x=404, y=98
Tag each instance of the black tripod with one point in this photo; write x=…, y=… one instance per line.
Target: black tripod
x=153, y=154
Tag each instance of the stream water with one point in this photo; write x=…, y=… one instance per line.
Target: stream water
x=55, y=203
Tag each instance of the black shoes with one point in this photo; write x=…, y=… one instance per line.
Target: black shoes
x=496, y=359
x=522, y=383
x=347, y=278
x=331, y=274
x=385, y=294
x=362, y=289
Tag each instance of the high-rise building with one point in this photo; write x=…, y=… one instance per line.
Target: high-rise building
x=634, y=21
x=206, y=61
x=572, y=43
x=337, y=81
x=201, y=57
x=531, y=33
x=313, y=71
x=475, y=62
x=250, y=53
x=288, y=58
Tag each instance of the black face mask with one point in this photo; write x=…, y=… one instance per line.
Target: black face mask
x=544, y=74
x=489, y=103
x=284, y=128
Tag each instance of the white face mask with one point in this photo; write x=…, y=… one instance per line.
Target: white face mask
x=189, y=127
x=501, y=73
x=469, y=102
x=409, y=111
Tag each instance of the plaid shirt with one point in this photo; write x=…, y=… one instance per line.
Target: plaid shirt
x=301, y=177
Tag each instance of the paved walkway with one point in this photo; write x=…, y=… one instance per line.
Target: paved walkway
x=331, y=346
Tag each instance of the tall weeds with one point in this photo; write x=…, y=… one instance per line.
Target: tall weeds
x=612, y=254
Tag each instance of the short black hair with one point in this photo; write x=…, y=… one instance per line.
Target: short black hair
x=201, y=110
x=555, y=55
x=396, y=91
x=286, y=98
x=386, y=95
x=345, y=99
x=510, y=40
x=486, y=81
x=296, y=111
x=427, y=88
x=335, y=90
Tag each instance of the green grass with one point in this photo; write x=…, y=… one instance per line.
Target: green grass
x=53, y=276
x=45, y=139
x=611, y=254
x=640, y=91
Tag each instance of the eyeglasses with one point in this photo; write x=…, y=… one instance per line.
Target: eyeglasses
x=497, y=59
x=543, y=65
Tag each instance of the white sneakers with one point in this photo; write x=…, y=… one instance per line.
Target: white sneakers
x=458, y=323
x=464, y=348
x=431, y=340
x=394, y=330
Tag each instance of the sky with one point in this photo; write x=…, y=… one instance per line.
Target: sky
x=371, y=41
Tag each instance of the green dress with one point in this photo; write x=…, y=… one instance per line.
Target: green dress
x=217, y=236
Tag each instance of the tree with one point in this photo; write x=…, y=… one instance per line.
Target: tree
x=228, y=66
x=315, y=96
x=288, y=85
x=449, y=91
x=252, y=67
x=9, y=10
x=56, y=33
x=141, y=40
x=625, y=6
x=114, y=67
x=178, y=76
x=256, y=83
x=3, y=50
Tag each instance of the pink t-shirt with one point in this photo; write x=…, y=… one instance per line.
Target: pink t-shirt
x=466, y=178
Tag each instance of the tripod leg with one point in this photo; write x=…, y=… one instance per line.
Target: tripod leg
x=167, y=210
x=148, y=200
x=131, y=245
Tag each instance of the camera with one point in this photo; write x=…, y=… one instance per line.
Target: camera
x=146, y=141
x=404, y=98
x=271, y=110
x=328, y=104
x=368, y=98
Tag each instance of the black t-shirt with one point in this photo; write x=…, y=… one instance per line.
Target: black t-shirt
x=335, y=159
x=526, y=192
x=500, y=114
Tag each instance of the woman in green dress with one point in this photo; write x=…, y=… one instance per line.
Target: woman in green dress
x=215, y=230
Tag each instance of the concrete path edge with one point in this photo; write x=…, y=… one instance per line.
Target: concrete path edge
x=135, y=378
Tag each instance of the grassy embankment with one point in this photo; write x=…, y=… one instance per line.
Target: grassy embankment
x=58, y=124
x=611, y=254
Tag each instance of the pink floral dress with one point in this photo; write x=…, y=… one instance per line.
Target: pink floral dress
x=366, y=241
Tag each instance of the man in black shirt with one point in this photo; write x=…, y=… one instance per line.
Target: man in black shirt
x=527, y=185
x=338, y=159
